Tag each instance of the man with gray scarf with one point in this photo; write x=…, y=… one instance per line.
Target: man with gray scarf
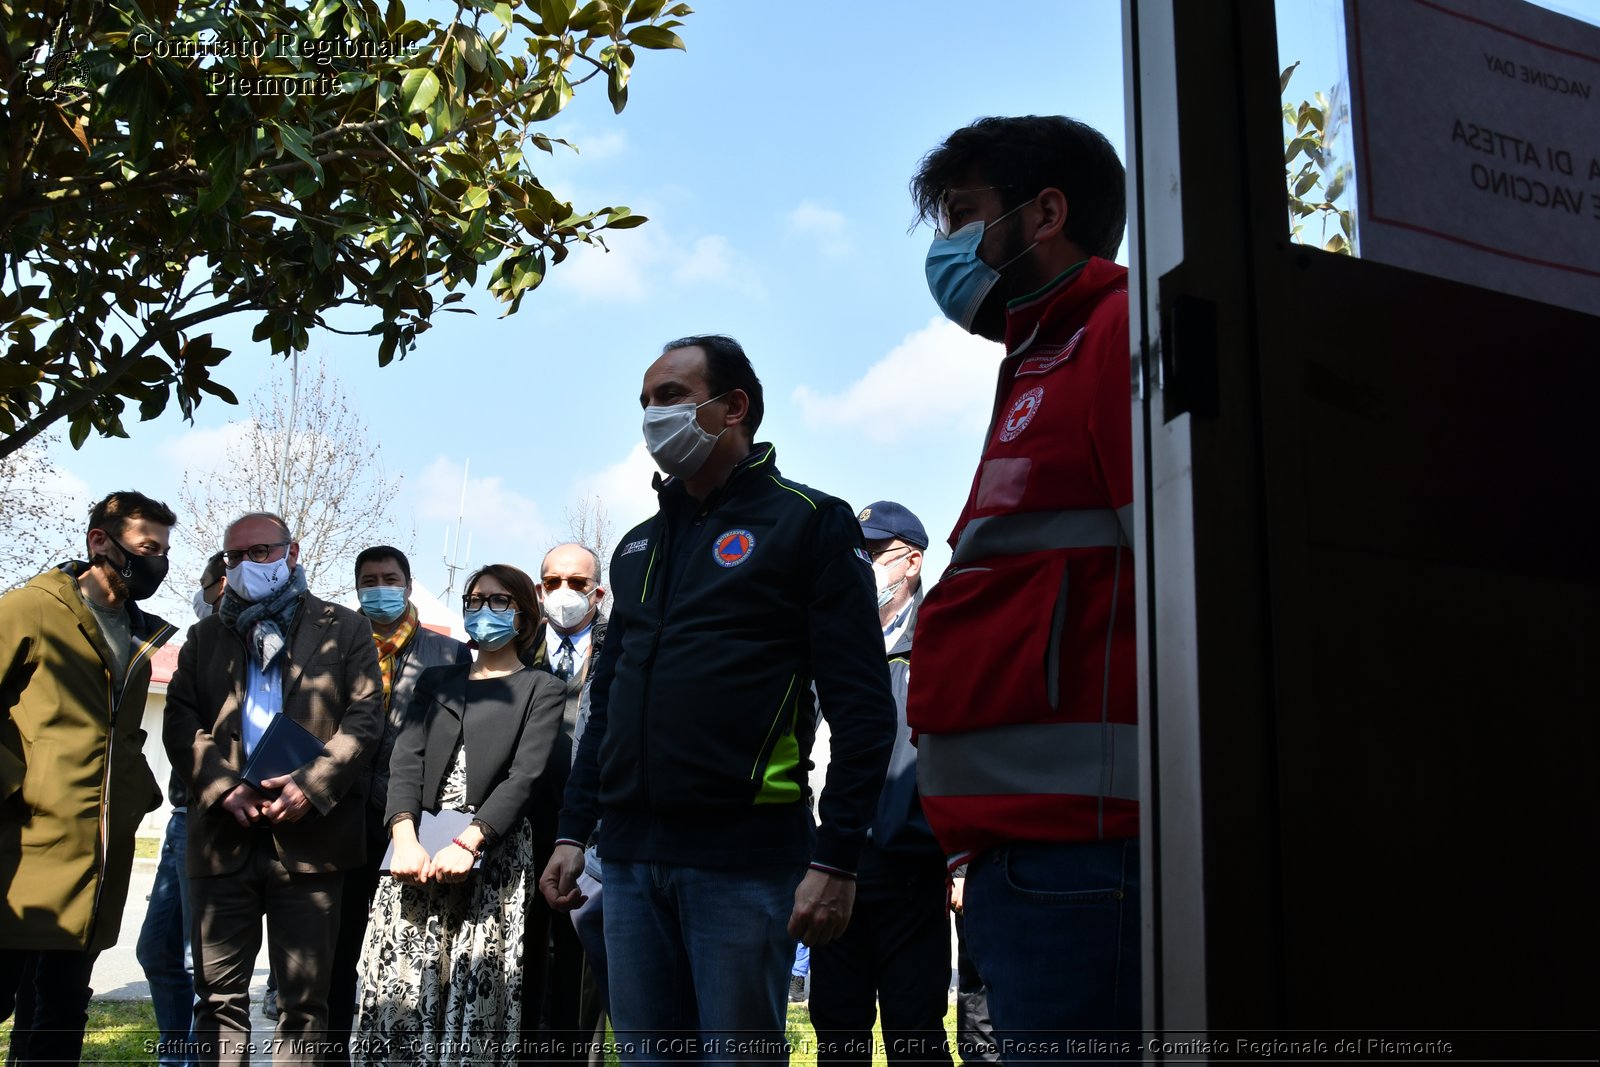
x=271, y=649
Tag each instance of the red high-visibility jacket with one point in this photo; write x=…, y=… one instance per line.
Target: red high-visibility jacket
x=1023, y=675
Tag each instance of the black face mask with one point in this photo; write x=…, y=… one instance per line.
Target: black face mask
x=142, y=575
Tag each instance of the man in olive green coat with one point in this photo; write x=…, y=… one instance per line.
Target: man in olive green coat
x=74, y=669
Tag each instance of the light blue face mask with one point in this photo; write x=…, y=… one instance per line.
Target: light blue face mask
x=491, y=629
x=957, y=278
x=382, y=603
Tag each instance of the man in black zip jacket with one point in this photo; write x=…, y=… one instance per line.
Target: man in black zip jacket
x=743, y=592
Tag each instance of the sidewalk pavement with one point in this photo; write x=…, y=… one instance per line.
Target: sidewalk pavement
x=117, y=974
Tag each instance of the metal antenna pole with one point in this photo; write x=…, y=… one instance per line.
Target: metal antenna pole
x=288, y=437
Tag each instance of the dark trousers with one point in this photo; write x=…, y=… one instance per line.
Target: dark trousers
x=894, y=957
x=302, y=913
x=974, y=1032
x=48, y=993
x=535, y=958
x=355, y=907
x=563, y=1000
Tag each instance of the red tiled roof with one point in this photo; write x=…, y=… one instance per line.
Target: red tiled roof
x=163, y=663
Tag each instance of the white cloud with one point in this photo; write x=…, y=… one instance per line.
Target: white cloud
x=593, y=273
x=639, y=260
x=624, y=488
x=503, y=524
x=606, y=145
x=825, y=226
x=940, y=376
x=198, y=452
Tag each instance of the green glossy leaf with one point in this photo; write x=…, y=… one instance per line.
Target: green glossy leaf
x=298, y=145
x=1288, y=72
x=16, y=376
x=654, y=37
x=473, y=50
x=79, y=430
x=417, y=90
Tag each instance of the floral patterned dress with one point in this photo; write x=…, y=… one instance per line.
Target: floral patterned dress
x=441, y=970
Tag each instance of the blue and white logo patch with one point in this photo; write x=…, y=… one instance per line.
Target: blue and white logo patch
x=733, y=547
x=862, y=553
x=635, y=546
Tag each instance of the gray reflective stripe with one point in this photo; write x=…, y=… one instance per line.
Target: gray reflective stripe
x=1082, y=758
x=1036, y=531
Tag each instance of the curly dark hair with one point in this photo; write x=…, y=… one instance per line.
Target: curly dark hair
x=1023, y=155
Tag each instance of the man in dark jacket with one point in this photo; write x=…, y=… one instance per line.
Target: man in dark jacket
x=74, y=669
x=742, y=591
x=405, y=649
x=272, y=650
x=895, y=954
x=570, y=639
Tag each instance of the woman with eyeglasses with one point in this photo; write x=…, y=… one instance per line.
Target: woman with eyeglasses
x=443, y=962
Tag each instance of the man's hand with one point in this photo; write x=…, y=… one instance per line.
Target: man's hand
x=245, y=804
x=559, y=882
x=450, y=864
x=958, y=886
x=292, y=804
x=410, y=861
x=822, y=907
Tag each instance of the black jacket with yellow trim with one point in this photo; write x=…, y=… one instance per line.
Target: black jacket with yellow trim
x=725, y=613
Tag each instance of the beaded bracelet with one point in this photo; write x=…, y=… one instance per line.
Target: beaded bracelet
x=477, y=853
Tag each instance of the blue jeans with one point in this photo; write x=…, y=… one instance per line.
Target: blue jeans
x=163, y=948
x=699, y=961
x=1054, y=930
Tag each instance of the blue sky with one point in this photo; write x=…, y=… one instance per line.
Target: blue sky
x=772, y=158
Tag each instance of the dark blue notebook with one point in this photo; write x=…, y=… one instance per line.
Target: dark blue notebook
x=285, y=746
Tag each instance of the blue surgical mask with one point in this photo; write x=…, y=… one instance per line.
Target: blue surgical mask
x=382, y=603
x=491, y=629
x=957, y=278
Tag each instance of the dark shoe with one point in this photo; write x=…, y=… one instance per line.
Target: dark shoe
x=269, y=1005
x=797, y=989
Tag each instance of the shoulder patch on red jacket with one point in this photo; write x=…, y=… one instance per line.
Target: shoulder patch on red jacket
x=1049, y=360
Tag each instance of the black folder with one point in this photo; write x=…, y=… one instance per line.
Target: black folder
x=285, y=746
x=434, y=831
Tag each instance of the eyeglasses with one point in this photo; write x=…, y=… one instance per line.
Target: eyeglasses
x=578, y=583
x=878, y=555
x=257, y=553
x=492, y=601
x=943, y=217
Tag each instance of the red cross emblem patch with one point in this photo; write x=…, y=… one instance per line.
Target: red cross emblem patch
x=1022, y=413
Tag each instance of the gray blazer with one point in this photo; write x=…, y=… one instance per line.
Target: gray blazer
x=508, y=758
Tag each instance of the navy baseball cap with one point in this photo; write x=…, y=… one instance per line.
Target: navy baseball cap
x=885, y=520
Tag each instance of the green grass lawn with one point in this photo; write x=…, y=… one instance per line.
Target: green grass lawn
x=119, y=1031
x=124, y=1031
x=147, y=848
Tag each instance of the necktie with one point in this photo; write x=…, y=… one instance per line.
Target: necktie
x=566, y=658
